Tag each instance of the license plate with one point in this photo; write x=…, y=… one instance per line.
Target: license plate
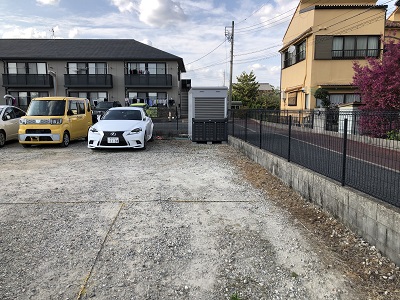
x=113, y=140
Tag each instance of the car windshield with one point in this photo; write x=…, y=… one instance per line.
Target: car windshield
x=46, y=108
x=119, y=114
x=104, y=105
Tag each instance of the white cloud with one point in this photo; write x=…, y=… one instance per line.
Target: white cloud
x=25, y=33
x=48, y=2
x=161, y=13
x=147, y=42
x=73, y=33
x=124, y=5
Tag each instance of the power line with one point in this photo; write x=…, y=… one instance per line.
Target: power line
x=270, y=55
x=208, y=53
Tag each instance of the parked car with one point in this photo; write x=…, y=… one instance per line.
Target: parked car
x=102, y=107
x=9, y=123
x=55, y=120
x=121, y=127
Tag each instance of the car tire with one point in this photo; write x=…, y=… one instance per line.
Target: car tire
x=65, y=139
x=2, y=138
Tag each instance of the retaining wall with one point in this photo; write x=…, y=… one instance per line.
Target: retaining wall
x=373, y=220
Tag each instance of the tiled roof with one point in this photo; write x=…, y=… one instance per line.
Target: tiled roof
x=392, y=24
x=83, y=49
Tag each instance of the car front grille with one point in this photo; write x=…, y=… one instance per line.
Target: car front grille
x=37, y=131
x=37, y=121
x=118, y=134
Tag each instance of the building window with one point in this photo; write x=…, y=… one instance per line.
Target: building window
x=292, y=99
x=355, y=47
x=344, y=98
x=301, y=50
x=27, y=68
x=87, y=68
x=146, y=68
x=24, y=98
x=151, y=98
x=294, y=54
x=94, y=97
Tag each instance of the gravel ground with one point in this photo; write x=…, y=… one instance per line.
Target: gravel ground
x=179, y=220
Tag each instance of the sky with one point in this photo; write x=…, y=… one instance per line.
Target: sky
x=198, y=31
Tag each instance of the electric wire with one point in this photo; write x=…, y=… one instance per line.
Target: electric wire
x=270, y=55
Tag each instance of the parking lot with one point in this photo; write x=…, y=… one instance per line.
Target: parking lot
x=175, y=221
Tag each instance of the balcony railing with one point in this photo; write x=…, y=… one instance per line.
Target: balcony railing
x=27, y=80
x=148, y=80
x=88, y=80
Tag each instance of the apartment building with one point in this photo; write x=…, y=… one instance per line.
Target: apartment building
x=320, y=45
x=123, y=70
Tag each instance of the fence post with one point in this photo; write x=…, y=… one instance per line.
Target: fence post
x=344, y=153
x=177, y=119
x=290, y=136
x=261, y=117
x=312, y=119
x=245, y=126
x=233, y=122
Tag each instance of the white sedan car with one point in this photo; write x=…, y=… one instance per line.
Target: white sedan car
x=9, y=123
x=121, y=127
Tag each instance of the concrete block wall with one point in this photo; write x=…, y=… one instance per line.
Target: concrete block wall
x=376, y=222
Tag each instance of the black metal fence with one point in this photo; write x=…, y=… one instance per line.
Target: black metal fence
x=353, y=148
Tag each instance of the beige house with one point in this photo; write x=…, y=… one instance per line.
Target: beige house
x=321, y=43
x=392, y=30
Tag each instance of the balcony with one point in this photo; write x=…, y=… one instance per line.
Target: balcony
x=88, y=80
x=148, y=80
x=27, y=81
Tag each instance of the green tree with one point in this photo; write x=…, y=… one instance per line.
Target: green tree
x=268, y=100
x=246, y=89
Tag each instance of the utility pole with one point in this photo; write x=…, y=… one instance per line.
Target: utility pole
x=229, y=37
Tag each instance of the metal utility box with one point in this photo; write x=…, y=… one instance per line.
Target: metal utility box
x=207, y=114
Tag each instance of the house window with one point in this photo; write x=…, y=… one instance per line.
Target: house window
x=143, y=68
x=301, y=50
x=94, y=97
x=87, y=68
x=294, y=54
x=27, y=68
x=344, y=98
x=24, y=98
x=355, y=47
x=292, y=99
x=151, y=98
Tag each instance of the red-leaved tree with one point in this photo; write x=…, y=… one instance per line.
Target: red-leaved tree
x=378, y=83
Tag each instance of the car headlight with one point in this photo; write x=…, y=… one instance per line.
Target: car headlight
x=92, y=129
x=22, y=121
x=57, y=121
x=136, y=130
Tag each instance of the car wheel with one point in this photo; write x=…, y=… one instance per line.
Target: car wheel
x=65, y=140
x=2, y=138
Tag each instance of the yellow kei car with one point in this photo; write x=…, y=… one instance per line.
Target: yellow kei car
x=55, y=120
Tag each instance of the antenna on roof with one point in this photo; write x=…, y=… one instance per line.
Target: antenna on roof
x=52, y=32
